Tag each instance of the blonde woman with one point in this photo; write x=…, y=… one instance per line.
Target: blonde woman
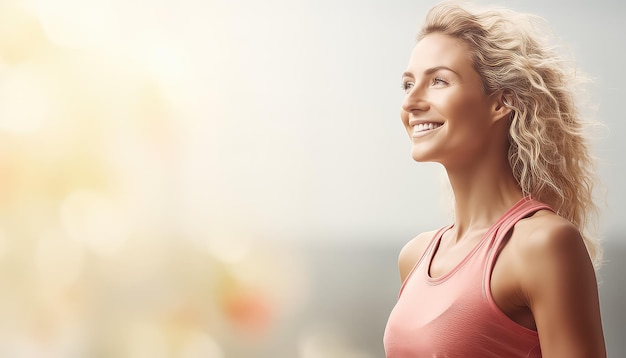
x=513, y=275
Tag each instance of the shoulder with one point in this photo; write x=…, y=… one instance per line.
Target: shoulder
x=557, y=279
x=550, y=253
x=412, y=252
x=547, y=236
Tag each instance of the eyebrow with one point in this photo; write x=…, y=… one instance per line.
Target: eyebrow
x=432, y=70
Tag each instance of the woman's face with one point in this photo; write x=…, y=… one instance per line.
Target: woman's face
x=446, y=113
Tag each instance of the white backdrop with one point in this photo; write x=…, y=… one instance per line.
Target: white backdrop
x=304, y=126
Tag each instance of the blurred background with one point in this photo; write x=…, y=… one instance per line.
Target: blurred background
x=230, y=178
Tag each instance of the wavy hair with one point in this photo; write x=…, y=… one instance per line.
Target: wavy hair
x=548, y=151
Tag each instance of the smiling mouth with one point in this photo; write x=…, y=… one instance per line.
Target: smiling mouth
x=424, y=127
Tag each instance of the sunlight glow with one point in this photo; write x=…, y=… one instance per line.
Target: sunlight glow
x=92, y=218
x=26, y=102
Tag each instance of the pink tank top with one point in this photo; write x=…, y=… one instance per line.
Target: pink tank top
x=455, y=315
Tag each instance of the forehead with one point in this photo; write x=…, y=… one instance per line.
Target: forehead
x=440, y=50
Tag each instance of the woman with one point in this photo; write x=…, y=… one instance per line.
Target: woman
x=513, y=276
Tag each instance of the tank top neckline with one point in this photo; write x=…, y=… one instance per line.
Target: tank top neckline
x=434, y=246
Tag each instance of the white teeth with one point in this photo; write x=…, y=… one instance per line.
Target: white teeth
x=425, y=126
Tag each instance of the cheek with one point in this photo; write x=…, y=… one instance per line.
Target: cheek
x=467, y=110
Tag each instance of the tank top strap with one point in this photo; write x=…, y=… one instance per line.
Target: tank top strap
x=433, y=243
x=527, y=207
x=419, y=265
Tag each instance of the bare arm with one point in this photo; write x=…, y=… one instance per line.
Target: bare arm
x=560, y=286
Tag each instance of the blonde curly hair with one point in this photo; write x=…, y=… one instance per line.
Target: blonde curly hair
x=548, y=151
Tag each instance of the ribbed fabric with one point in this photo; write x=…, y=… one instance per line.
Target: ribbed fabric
x=455, y=315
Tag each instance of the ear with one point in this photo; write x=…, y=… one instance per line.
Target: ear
x=502, y=105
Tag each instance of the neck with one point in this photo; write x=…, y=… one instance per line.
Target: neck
x=482, y=194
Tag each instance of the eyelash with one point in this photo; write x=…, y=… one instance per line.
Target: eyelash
x=439, y=79
x=406, y=86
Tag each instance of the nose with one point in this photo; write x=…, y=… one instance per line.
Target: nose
x=415, y=100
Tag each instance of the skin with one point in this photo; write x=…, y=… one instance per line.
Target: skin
x=543, y=279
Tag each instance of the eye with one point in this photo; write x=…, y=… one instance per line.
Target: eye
x=438, y=81
x=407, y=85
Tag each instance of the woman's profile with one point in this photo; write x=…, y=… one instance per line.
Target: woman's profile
x=513, y=275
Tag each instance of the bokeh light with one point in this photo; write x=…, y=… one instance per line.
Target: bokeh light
x=26, y=102
x=112, y=238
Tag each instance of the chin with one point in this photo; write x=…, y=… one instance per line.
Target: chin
x=420, y=156
x=427, y=152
